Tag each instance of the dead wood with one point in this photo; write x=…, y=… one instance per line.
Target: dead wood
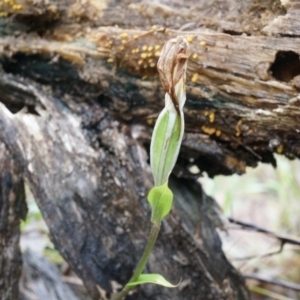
x=84, y=74
x=12, y=210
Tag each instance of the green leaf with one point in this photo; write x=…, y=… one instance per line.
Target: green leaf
x=166, y=142
x=152, y=278
x=160, y=199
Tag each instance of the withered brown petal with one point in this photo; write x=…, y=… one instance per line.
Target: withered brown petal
x=172, y=62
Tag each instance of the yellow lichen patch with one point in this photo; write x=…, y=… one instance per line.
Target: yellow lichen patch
x=157, y=47
x=123, y=35
x=211, y=117
x=150, y=121
x=190, y=38
x=152, y=65
x=194, y=56
x=150, y=60
x=121, y=48
x=208, y=130
x=150, y=48
x=140, y=62
x=154, y=27
x=110, y=60
x=279, y=149
x=144, y=77
x=250, y=131
x=157, y=54
x=124, y=41
x=135, y=36
x=203, y=43
x=144, y=48
x=240, y=122
x=16, y=7
x=3, y=14
x=238, y=133
x=195, y=77
x=149, y=54
x=218, y=132
x=143, y=55
x=206, y=113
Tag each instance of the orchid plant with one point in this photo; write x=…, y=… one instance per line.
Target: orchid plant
x=165, y=145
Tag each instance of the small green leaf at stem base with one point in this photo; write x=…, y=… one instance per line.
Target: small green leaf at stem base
x=152, y=278
x=160, y=199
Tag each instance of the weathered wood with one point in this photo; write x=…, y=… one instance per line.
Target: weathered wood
x=92, y=95
x=42, y=280
x=12, y=210
x=94, y=202
x=246, y=99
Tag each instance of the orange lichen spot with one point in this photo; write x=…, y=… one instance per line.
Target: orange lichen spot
x=140, y=62
x=150, y=48
x=203, y=43
x=190, y=38
x=110, y=60
x=194, y=56
x=218, y=132
x=208, y=130
x=250, y=131
x=195, y=77
x=211, y=117
x=124, y=35
x=144, y=48
x=152, y=65
x=279, y=149
x=143, y=55
x=157, y=47
x=153, y=27
x=157, y=53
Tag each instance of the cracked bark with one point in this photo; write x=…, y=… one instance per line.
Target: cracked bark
x=89, y=94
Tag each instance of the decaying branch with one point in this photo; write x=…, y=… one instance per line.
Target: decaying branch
x=80, y=95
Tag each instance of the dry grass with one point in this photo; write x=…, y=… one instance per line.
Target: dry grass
x=269, y=198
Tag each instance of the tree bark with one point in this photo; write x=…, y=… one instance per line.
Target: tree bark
x=12, y=210
x=80, y=95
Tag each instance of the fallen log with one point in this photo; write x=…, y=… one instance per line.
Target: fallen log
x=80, y=96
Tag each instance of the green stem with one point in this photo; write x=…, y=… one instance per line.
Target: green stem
x=143, y=261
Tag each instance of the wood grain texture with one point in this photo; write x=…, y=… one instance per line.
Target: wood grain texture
x=80, y=95
x=12, y=210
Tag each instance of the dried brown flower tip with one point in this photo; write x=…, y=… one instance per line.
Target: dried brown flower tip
x=172, y=65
